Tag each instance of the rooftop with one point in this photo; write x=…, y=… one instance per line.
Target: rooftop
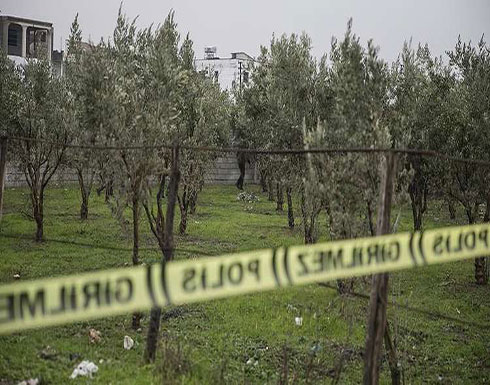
x=24, y=20
x=234, y=55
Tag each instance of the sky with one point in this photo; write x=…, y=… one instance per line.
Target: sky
x=246, y=25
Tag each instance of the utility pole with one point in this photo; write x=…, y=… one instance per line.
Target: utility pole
x=240, y=69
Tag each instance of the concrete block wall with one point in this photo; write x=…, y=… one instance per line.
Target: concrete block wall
x=224, y=171
x=15, y=178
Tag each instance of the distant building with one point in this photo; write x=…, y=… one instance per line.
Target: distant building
x=24, y=39
x=228, y=72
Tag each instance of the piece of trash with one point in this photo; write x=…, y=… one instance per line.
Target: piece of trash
x=17, y=276
x=128, y=342
x=247, y=197
x=298, y=321
x=30, y=381
x=101, y=361
x=84, y=368
x=458, y=311
x=315, y=348
x=48, y=353
x=94, y=336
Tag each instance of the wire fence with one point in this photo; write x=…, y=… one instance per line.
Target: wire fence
x=256, y=151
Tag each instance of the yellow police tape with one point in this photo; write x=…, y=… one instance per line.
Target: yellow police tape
x=97, y=294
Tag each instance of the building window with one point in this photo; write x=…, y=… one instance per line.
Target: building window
x=245, y=77
x=13, y=37
x=36, y=42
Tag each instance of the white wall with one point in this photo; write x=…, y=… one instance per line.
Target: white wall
x=228, y=70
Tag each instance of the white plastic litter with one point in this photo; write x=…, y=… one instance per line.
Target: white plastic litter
x=128, y=342
x=30, y=381
x=84, y=368
x=298, y=321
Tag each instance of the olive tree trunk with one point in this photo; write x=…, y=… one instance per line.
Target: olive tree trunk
x=184, y=209
x=136, y=322
x=85, y=190
x=280, y=197
x=37, y=199
x=289, y=193
x=451, y=209
x=3, y=167
x=309, y=220
x=263, y=181
x=376, y=325
x=417, y=190
x=167, y=252
x=481, y=268
x=270, y=190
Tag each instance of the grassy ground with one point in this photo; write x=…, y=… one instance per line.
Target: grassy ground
x=245, y=340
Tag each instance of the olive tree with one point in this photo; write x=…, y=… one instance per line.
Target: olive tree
x=10, y=83
x=468, y=127
x=165, y=79
x=9, y=104
x=293, y=72
x=250, y=118
x=125, y=93
x=40, y=118
x=203, y=121
x=411, y=118
x=355, y=94
x=274, y=106
x=83, y=129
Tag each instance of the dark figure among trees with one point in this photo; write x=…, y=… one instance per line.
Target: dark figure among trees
x=242, y=161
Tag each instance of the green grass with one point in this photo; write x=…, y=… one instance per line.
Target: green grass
x=210, y=343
